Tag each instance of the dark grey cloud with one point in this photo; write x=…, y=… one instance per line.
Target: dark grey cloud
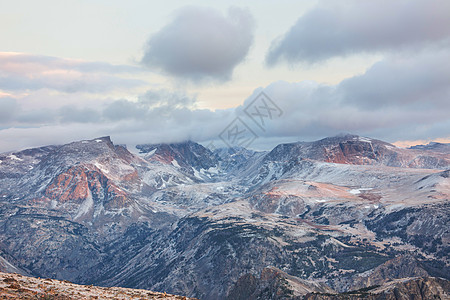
x=36, y=117
x=153, y=103
x=124, y=110
x=153, y=107
x=340, y=28
x=398, y=98
x=201, y=44
x=421, y=81
x=158, y=98
x=25, y=72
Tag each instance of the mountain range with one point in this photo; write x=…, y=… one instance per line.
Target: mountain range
x=308, y=219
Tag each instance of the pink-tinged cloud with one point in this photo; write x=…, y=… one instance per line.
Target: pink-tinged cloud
x=26, y=72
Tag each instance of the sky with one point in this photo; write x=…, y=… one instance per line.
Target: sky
x=223, y=73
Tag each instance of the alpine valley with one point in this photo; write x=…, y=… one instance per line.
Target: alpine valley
x=345, y=217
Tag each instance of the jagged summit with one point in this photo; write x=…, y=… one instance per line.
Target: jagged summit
x=145, y=148
x=185, y=154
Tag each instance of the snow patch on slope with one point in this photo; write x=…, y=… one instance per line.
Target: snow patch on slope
x=358, y=191
x=86, y=206
x=196, y=173
x=13, y=157
x=213, y=170
x=174, y=162
x=101, y=168
x=151, y=152
x=364, y=139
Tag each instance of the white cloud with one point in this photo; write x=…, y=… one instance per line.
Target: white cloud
x=201, y=44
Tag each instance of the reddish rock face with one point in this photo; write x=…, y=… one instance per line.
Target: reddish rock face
x=75, y=184
x=165, y=156
x=134, y=176
x=71, y=185
x=351, y=153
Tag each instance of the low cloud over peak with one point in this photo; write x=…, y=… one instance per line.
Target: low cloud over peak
x=396, y=99
x=201, y=44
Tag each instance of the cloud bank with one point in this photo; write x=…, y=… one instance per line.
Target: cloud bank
x=201, y=44
x=396, y=99
x=350, y=27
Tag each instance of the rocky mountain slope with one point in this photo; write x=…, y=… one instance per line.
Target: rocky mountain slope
x=331, y=216
x=356, y=150
x=275, y=284
x=399, y=289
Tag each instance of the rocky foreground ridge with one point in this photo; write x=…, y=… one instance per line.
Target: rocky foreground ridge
x=16, y=286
